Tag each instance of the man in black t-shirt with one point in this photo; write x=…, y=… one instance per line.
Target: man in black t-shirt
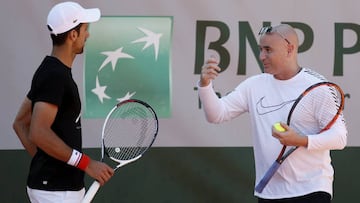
x=48, y=122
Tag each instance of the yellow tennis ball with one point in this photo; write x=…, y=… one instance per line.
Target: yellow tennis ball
x=278, y=127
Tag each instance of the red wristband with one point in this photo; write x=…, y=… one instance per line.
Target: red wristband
x=84, y=162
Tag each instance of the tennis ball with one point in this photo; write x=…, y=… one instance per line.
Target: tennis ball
x=278, y=127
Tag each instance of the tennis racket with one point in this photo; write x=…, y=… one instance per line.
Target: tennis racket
x=129, y=130
x=331, y=96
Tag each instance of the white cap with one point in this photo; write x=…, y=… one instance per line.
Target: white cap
x=67, y=15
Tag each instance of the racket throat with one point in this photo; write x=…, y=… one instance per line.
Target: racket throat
x=124, y=162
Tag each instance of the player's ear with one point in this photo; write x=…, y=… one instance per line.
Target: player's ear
x=290, y=49
x=73, y=34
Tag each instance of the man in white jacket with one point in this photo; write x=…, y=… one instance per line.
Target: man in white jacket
x=306, y=175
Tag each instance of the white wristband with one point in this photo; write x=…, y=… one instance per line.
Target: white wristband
x=75, y=158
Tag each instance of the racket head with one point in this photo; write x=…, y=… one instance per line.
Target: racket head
x=332, y=99
x=129, y=130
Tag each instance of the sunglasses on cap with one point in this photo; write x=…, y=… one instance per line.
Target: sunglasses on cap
x=269, y=29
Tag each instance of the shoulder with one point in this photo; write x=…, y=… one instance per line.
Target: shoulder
x=52, y=69
x=51, y=74
x=313, y=76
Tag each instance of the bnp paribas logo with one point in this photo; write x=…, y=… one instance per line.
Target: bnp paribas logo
x=128, y=57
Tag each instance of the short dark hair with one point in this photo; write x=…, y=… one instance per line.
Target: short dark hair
x=60, y=39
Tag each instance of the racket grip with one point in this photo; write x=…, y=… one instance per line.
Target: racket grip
x=269, y=174
x=91, y=192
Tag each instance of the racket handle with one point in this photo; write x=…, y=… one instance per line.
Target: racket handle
x=91, y=192
x=269, y=174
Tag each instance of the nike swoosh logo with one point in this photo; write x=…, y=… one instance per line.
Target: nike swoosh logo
x=262, y=109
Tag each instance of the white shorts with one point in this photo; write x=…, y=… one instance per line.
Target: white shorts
x=43, y=196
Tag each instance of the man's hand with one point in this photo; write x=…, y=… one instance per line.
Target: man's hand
x=99, y=171
x=289, y=137
x=209, y=72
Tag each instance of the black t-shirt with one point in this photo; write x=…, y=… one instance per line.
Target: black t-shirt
x=53, y=83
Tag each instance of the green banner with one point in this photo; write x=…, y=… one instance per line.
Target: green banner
x=128, y=57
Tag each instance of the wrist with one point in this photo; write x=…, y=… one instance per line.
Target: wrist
x=306, y=141
x=79, y=160
x=84, y=162
x=203, y=83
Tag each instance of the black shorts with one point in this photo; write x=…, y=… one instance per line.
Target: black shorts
x=316, y=197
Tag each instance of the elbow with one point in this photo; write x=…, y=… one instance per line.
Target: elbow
x=209, y=120
x=343, y=138
x=342, y=142
x=212, y=119
x=17, y=126
x=341, y=132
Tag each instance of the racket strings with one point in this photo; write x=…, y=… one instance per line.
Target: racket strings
x=325, y=100
x=129, y=131
x=333, y=106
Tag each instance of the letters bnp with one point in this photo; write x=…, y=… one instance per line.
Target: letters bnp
x=247, y=35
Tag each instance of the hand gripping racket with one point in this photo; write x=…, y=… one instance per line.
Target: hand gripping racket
x=129, y=130
x=331, y=97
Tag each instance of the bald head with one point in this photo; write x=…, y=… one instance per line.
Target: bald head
x=288, y=32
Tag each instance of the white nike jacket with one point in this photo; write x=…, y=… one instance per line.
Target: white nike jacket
x=268, y=101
